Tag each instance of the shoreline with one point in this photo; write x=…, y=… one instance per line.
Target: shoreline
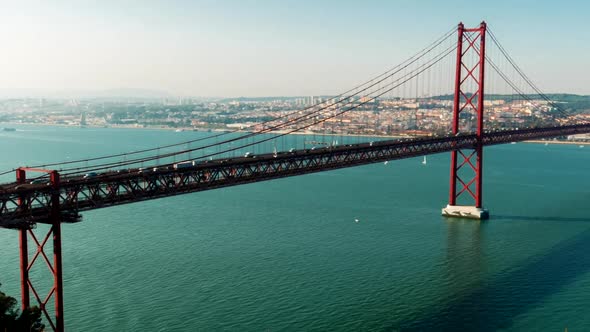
x=190, y=129
x=536, y=141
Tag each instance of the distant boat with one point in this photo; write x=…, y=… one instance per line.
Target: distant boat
x=385, y=162
x=9, y=129
x=512, y=142
x=179, y=130
x=546, y=144
x=424, y=161
x=581, y=146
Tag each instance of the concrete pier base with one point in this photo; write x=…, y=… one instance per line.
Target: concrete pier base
x=470, y=212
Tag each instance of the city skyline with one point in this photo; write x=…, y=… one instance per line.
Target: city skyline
x=232, y=48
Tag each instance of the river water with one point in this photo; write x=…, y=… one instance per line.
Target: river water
x=289, y=254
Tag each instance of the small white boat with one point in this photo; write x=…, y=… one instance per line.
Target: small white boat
x=512, y=142
x=581, y=146
x=546, y=144
x=424, y=161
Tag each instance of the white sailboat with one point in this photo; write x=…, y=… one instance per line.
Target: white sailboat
x=424, y=161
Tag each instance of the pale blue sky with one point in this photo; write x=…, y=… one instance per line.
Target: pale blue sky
x=261, y=48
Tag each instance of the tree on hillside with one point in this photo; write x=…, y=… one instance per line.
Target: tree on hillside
x=12, y=321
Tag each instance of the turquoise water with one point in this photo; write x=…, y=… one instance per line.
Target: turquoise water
x=287, y=255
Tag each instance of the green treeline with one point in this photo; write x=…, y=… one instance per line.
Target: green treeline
x=11, y=320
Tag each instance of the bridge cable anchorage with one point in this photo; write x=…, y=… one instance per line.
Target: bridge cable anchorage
x=300, y=119
x=421, y=53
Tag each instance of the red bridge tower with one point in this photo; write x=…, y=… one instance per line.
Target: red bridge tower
x=469, y=76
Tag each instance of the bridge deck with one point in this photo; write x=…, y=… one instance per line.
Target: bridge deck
x=23, y=205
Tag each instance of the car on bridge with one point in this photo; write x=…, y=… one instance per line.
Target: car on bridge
x=40, y=181
x=90, y=175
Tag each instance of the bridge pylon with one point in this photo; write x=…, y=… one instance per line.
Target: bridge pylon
x=465, y=201
x=56, y=321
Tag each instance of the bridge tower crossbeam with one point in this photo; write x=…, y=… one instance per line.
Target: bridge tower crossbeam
x=468, y=75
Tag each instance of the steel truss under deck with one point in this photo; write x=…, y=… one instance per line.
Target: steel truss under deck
x=21, y=206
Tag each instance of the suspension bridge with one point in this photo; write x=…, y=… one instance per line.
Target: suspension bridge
x=454, y=70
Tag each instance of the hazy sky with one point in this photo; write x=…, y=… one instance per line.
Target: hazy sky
x=262, y=48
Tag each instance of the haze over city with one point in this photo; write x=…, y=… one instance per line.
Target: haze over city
x=263, y=48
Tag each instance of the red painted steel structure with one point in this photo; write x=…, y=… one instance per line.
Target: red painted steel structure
x=78, y=193
x=23, y=205
x=57, y=324
x=21, y=178
x=464, y=101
